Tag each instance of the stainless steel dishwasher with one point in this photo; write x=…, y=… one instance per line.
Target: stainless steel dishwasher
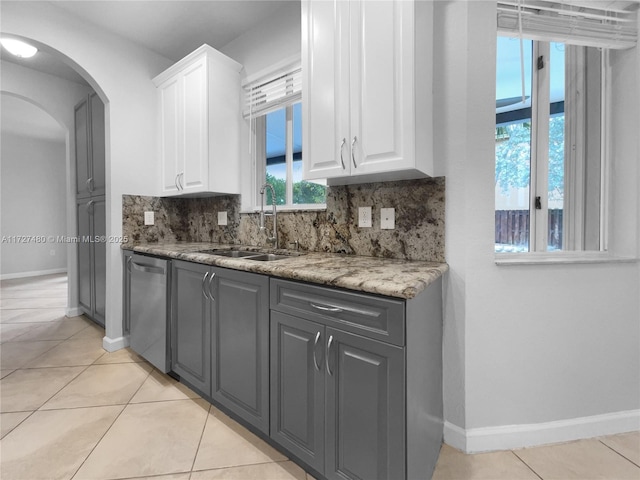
x=149, y=333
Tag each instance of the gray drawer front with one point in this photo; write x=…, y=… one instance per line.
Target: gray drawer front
x=367, y=315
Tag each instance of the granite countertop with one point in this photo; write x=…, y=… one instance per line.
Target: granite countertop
x=383, y=276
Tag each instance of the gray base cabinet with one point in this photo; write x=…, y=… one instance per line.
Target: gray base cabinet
x=220, y=337
x=191, y=324
x=240, y=348
x=349, y=395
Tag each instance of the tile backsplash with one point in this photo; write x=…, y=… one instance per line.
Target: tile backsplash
x=418, y=233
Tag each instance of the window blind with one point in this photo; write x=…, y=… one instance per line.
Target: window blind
x=271, y=93
x=611, y=24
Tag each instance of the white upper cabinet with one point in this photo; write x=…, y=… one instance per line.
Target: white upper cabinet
x=200, y=114
x=367, y=90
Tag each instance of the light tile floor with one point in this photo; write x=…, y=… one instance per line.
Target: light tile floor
x=69, y=409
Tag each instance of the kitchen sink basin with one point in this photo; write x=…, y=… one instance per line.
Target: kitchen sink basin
x=267, y=257
x=230, y=253
x=249, y=255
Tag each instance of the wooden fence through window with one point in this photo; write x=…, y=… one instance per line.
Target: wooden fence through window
x=512, y=227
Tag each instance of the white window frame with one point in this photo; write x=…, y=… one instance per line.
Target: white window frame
x=259, y=130
x=574, y=199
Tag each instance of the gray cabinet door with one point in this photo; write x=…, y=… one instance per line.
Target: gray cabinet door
x=85, y=268
x=82, y=148
x=191, y=324
x=365, y=411
x=240, y=368
x=99, y=232
x=297, y=387
x=97, y=143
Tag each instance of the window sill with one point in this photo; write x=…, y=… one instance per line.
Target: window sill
x=288, y=208
x=559, y=258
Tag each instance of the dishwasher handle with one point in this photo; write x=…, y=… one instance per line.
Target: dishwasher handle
x=148, y=268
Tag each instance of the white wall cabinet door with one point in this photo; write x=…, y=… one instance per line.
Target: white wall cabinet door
x=170, y=139
x=199, y=101
x=367, y=90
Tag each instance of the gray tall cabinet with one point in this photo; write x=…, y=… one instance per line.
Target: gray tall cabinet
x=91, y=206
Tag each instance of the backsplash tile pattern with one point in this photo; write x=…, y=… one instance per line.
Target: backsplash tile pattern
x=418, y=233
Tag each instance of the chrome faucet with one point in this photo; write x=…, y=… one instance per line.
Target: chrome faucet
x=274, y=238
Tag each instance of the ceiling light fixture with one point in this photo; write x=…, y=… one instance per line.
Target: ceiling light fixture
x=18, y=47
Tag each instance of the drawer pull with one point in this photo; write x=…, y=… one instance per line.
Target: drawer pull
x=325, y=308
x=315, y=345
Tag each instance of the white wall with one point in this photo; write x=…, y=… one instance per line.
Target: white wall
x=57, y=97
x=530, y=351
x=274, y=40
x=121, y=73
x=33, y=200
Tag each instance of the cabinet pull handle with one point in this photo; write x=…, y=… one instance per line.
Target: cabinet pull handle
x=329, y=343
x=90, y=207
x=180, y=177
x=176, y=182
x=315, y=344
x=353, y=158
x=90, y=184
x=210, y=282
x=204, y=279
x=129, y=263
x=325, y=308
x=344, y=140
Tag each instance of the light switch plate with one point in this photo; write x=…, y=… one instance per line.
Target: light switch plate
x=149, y=218
x=387, y=218
x=364, y=217
x=222, y=218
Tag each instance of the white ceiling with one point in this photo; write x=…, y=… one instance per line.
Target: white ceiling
x=174, y=28
x=171, y=28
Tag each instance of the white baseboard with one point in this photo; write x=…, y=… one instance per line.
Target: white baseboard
x=74, y=312
x=37, y=273
x=509, y=437
x=113, y=344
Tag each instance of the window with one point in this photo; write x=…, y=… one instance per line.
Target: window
x=552, y=121
x=548, y=146
x=275, y=113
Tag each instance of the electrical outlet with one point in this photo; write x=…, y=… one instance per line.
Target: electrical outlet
x=222, y=218
x=149, y=218
x=364, y=217
x=387, y=218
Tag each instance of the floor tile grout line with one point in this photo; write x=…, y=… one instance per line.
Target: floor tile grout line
x=616, y=451
x=526, y=464
x=65, y=385
x=247, y=465
x=20, y=423
x=204, y=427
x=124, y=407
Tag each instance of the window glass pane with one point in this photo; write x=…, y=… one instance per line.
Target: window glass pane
x=513, y=147
x=303, y=192
x=556, y=146
x=276, y=168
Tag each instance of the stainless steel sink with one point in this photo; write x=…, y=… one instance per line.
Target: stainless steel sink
x=230, y=253
x=249, y=255
x=268, y=257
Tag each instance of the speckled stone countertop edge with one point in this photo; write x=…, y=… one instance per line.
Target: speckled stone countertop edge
x=389, y=277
